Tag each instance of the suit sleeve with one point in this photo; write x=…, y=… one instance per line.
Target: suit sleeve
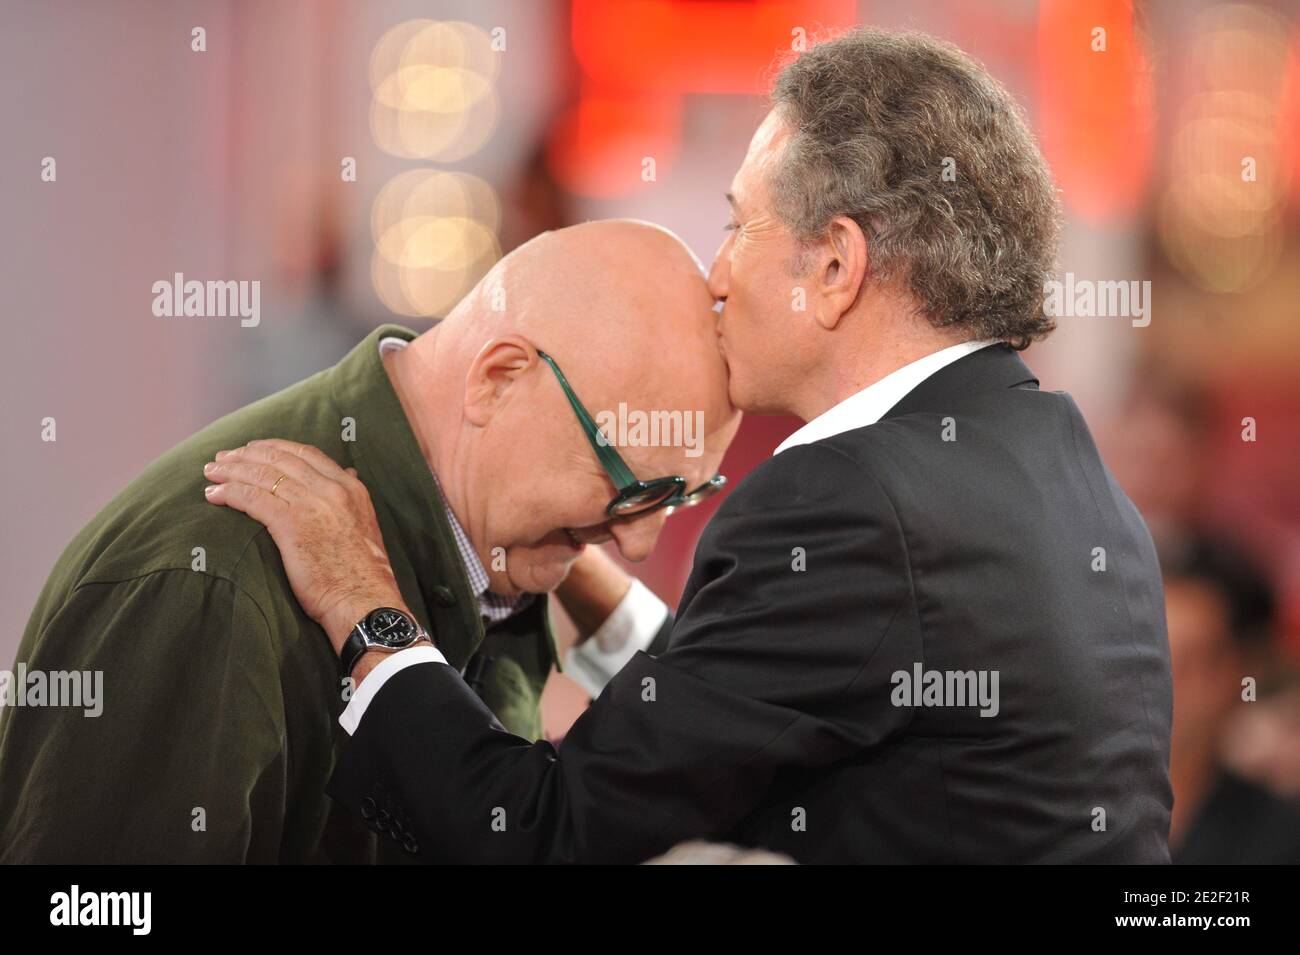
x=659, y=643
x=183, y=762
x=779, y=659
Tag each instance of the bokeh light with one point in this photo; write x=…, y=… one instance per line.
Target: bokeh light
x=1221, y=213
x=434, y=90
x=435, y=235
x=434, y=99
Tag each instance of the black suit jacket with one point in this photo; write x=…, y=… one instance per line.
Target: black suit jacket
x=973, y=531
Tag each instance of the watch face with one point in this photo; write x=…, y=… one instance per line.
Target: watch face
x=391, y=628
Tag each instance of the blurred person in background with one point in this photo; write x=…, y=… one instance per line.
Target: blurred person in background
x=1160, y=455
x=1220, y=611
x=1167, y=453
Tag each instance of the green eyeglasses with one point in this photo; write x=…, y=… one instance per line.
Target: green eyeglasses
x=634, y=497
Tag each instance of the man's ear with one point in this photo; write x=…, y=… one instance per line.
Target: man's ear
x=491, y=374
x=841, y=269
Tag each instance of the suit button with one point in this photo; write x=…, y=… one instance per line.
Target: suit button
x=443, y=596
x=367, y=808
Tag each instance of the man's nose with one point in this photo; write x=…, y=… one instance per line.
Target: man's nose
x=720, y=273
x=636, y=538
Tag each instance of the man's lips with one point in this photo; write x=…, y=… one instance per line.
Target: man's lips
x=563, y=538
x=566, y=538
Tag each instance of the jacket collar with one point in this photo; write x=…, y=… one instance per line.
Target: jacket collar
x=989, y=369
x=389, y=462
x=871, y=403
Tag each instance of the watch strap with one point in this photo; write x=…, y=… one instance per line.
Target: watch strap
x=354, y=648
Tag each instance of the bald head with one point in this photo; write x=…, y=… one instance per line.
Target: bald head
x=622, y=304
x=623, y=309
x=609, y=263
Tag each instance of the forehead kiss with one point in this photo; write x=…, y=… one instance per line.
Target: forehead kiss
x=620, y=323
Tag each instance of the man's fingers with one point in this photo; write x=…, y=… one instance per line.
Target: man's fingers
x=268, y=477
x=275, y=461
x=249, y=499
x=314, y=456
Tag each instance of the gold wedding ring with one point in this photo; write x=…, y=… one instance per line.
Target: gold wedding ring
x=277, y=483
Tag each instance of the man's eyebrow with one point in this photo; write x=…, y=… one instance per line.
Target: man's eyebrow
x=732, y=199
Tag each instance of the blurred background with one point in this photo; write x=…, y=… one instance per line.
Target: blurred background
x=368, y=162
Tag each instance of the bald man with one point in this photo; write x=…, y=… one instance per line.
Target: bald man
x=221, y=699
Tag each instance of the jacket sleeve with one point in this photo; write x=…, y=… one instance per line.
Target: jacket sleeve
x=660, y=641
x=779, y=658
x=184, y=760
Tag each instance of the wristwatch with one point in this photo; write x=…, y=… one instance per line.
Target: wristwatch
x=386, y=630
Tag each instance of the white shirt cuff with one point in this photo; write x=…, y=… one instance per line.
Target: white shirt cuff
x=392, y=664
x=629, y=629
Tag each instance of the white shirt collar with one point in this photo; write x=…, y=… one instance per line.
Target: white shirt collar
x=870, y=404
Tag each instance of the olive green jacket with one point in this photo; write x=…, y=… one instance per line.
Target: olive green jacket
x=221, y=698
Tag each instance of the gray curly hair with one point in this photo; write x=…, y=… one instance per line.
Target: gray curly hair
x=875, y=116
